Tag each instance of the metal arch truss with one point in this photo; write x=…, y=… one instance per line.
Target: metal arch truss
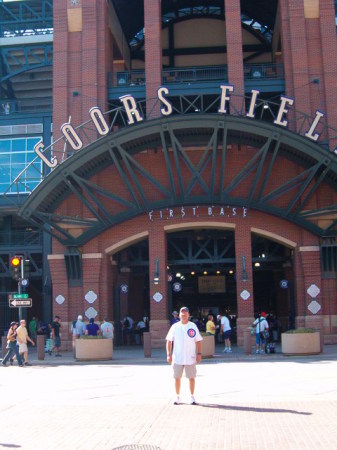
x=209, y=181
x=25, y=58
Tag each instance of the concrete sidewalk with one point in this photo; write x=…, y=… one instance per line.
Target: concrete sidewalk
x=255, y=402
x=135, y=355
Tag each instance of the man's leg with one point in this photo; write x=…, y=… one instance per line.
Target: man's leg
x=177, y=374
x=192, y=385
x=177, y=383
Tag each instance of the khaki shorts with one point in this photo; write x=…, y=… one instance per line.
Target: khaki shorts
x=23, y=348
x=190, y=371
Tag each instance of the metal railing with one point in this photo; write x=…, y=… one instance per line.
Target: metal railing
x=263, y=71
x=194, y=74
x=28, y=105
x=197, y=74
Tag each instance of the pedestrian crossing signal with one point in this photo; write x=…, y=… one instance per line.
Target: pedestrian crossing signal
x=16, y=267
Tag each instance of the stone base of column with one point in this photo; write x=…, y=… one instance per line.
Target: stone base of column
x=241, y=326
x=309, y=322
x=158, y=330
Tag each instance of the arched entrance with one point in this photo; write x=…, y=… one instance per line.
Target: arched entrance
x=202, y=271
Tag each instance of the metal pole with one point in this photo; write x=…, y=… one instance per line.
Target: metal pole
x=20, y=286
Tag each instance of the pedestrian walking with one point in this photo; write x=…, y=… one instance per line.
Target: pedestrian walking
x=33, y=328
x=55, y=332
x=11, y=345
x=22, y=339
x=185, y=353
x=226, y=331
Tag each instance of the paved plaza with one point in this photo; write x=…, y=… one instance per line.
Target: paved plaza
x=245, y=402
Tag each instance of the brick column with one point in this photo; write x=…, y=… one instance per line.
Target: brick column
x=234, y=51
x=159, y=323
x=310, y=258
x=123, y=278
x=60, y=71
x=153, y=55
x=328, y=48
x=243, y=248
x=286, y=46
x=61, y=296
x=91, y=266
x=294, y=38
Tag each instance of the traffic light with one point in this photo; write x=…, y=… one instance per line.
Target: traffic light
x=16, y=267
x=26, y=268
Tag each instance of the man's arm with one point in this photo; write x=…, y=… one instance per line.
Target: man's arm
x=169, y=351
x=199, y=352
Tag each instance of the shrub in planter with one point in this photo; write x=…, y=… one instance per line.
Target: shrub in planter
x=302, y=341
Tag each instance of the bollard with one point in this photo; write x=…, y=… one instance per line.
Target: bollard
x=3, y=346
x=247, y=342
x=40, y=342
x=147, y=344
x=321, y=338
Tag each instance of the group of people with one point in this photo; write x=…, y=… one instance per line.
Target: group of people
x=133, y=331
x=266, y=329
x=17, y=339
x=219, y=327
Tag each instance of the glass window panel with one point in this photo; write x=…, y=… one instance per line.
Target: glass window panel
x=4, y=159
x=32, y=141
x=31, y=186
x=18, y=145
x=16, y=170
x=33, y=172
x=18, y=158
x=5, y=145
x=31, y=156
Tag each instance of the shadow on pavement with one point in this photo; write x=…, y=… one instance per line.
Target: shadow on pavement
x=252, y=409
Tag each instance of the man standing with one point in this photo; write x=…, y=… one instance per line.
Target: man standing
x=226, y=330
x=33, y=328
x=77, y=329
x=55, y=331
x=185, y=352
x=22, y=338
x=174, y=318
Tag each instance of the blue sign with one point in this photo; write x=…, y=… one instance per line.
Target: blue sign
x=124, y=288
x=284, y=284
x=177, y=287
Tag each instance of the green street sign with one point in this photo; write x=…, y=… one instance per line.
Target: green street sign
x=20, y=295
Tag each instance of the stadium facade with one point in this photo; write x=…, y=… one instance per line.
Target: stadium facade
x=162, y=153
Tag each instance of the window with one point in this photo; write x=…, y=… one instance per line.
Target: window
x=15, y=155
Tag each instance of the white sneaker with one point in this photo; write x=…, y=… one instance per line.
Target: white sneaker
x=225, y=350
x=192, y=400
x=177, y=400
x=257, y=351
x=229, y=350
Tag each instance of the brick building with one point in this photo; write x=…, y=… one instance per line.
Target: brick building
x=193, y=161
